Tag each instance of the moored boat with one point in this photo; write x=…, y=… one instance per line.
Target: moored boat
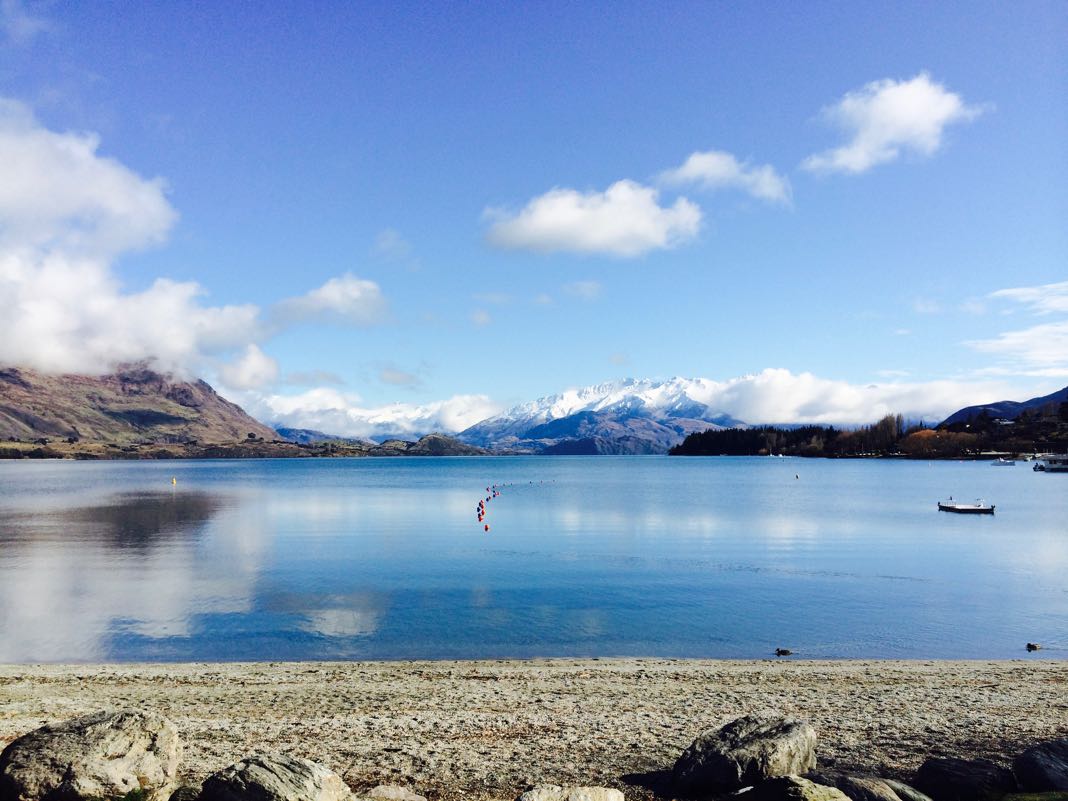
x=979, y=507
x=1053, y=463
x=1003, y=462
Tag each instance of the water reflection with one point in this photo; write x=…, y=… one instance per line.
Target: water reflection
x=74, y=581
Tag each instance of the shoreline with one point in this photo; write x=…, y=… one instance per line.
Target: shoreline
x=491, y=728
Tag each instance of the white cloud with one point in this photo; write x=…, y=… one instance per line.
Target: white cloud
x=1046, y=299
x=1041, y=350
x=625, y=220
x=342, y=414
x=717, y=169
x=253, y=370
x=780, y=396
x=585, y=290
x=57, y=194
x=66, y=213
x=886, y=118
x=481, y=317
x=345, y=299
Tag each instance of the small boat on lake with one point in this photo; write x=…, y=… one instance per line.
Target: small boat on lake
x=1052, y=463
x=1002, y=462
x=979, y=507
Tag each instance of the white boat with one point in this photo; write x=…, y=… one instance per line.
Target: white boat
x=1053, y=463
x=1001, y=462
x=979, y=507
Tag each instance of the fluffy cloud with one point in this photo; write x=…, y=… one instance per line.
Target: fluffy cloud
x=342, y=413
x=625, y=220
x=58, y=194
x=397, y=377
x=17, y=25
x=345, y=299
x=885, y=119
x=1046, y=299
x=65, y=213
x=253, y=370
x=717, y=169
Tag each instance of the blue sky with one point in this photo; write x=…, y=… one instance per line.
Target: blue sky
x=396, y=203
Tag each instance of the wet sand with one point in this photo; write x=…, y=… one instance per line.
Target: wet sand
x=488, y=729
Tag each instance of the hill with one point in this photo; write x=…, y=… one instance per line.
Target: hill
x=134, y=405
x=1047, y=405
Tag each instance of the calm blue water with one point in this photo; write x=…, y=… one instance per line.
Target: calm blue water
x=654, y=556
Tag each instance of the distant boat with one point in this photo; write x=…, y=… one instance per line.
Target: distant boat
x=1000, y=462
x=1053, y=463
x=979, y=507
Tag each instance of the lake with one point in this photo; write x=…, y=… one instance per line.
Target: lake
x=585, y=556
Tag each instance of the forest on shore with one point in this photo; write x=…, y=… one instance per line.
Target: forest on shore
x=1038, y=431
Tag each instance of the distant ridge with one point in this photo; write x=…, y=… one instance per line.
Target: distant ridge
x=133, y=405
x=630, y=416
x=1007, y=410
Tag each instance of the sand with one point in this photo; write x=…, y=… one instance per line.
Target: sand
x=488, y=729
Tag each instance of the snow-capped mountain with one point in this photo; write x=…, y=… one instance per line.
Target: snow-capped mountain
x=628, y=416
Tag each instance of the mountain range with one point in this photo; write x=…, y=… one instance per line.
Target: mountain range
x=1008, y=410
x=630, y=416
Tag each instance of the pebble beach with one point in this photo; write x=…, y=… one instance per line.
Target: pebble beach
x=489, y=729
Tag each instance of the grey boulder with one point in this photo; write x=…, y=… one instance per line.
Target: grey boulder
x=793, y=788
x=554, y=792
x=1044, y=767
x=906, y=792
x=866, y=788
x=745, y=752
x=105, y=755
x=952, y=779
x=264, y=777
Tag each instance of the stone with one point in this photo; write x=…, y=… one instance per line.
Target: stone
x=793, y=788
x=1044, y=767
x=185, y=793
x=866, y=788
x=391, y=792
x=554, y=792
x=952, y=779
x=906, y=792
x=745, y=752
x=264, y=777
x=102, y=756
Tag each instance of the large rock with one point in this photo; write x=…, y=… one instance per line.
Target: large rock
x=106, y=755
x=793, y=788
x=866, y=788
x=745, y=752
x=554, y=792
x=262, y=777
x=952, y=779
x=906, y=792
x=1044, y=767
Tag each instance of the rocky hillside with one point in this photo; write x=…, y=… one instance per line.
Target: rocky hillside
x=132, y=406
x=1046, y=405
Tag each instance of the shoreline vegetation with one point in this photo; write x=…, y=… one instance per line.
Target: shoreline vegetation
x=485, y=729
x=981, y=437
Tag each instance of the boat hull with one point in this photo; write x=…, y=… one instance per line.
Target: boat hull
x=965, y=509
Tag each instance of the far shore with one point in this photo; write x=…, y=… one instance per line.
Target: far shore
x=488, y=729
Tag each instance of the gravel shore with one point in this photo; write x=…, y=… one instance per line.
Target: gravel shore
x=488, y=729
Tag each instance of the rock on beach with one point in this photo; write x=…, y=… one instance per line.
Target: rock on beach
x=555, y=792
x=264, y=777
x=794, y=788
x=745, y=752
x=104, y=755
x=952, y=779
x=1044, y=767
